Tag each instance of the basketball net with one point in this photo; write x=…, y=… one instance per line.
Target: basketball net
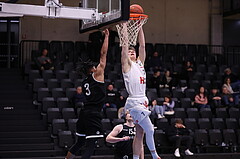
x=131, y=28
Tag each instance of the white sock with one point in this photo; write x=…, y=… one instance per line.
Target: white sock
x=135, y=157
x=154, y=154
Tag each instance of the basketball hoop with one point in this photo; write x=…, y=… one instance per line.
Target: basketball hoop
x=135, y=22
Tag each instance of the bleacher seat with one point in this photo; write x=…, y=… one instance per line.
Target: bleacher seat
x=117, y=121
x=43, y=92
x=215, y=137
x=72, y=125
x=164, y=92
x=191, y=123
x=47, y=74
x=48, y=102
x=178, y=93
x=68, y=113
x=198, y=76
x=162, y=124
x=112, y=113
x=234, y=113
x=179, y=113
x=221, y=113
x=53, y=113
x=204, y=123
x=232, y=123
x=78, y=82
x=106, y=124
x=58, y=125
x=193, y=113
x=53, y=83
x=33, y=74
x=73, y=75
x=201, y=137
x=185, y=102
x=201, y=68
x=70, y=92
x=63, y=102
x=190, y=93
x=38, y=83
x=206, y=113
x=218, y=123
x=57, y=93
x=61, y=74
x=65, y=139
x=229, y=137
x=66, y=83
x=194, y=84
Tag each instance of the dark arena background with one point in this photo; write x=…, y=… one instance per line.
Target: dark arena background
x=37, y=114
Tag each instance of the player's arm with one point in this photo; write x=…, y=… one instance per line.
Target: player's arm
x=142, y=51
x=111, y=138
x=99, y=74
x=126, y=63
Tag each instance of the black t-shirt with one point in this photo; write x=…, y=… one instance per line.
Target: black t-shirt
x=94, y=92
x=125, y=147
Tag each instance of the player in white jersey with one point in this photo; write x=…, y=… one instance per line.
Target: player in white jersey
x=135, y=82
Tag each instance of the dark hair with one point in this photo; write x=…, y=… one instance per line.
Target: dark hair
x=205, y=91
x=225, y=80
x=178, y=121
x=84, y=67
x=169, y=97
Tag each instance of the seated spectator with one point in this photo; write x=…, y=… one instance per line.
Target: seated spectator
x=79, y=98
x=201, y=100
x=229, y=99
x=155, y=62
x=215, y=99
x=111, y=98
x=187, y=71
x=156, y=110
x=168, y=81
x=123, y=135
x=155, y=81
x=168, y=106
x=178, y=133
x=44, y=62
x=234, y=81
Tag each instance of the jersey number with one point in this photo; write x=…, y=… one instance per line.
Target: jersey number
x=86, y=86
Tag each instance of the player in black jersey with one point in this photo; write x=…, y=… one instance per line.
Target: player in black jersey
x=89, y=126
x=123, y=135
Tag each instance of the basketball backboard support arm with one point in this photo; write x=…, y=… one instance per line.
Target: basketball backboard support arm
x=52, y=9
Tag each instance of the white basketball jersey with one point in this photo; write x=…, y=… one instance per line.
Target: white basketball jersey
x=135, y=80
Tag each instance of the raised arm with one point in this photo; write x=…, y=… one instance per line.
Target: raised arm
x=126, y=63
x=111, y=138
x=99, y=74
x=142, y=51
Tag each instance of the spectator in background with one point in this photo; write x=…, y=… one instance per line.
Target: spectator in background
x=234, y=82
x=155, y=81
x=44, y=62
x=215, y=99
x=187, y=71
x=168, y=106
x=201, y=99
x=79, y=98
x=154, y=62
x=111, y=98
x=228, y=99
x=156, y=110
x=168, y=81
x=178, y=133
x=235, y=95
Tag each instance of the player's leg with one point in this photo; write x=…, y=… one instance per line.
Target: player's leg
x=76, y=147
x=147, y=126
x=90, y=144
x=138, y=142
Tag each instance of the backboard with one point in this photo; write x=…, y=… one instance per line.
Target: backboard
x=110, y=13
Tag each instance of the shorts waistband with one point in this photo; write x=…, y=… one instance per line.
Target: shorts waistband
x=136, y=96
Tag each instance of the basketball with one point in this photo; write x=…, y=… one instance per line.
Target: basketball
x=135, y=8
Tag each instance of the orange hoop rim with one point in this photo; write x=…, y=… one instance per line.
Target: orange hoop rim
x=137, y=16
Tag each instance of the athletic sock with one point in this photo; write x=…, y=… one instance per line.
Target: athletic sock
x=135, y=157
x=154, y=154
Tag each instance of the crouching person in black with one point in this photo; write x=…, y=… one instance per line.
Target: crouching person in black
x=178, y=133
x=123, y=135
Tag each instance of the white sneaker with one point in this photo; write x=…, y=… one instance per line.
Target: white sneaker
x=176, y=153
x=188, y=152
x=160, y=116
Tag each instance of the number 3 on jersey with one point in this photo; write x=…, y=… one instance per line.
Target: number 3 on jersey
x=86, y=86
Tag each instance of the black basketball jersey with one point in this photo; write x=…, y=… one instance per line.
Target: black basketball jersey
x=125, y=147
x=94, y=92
